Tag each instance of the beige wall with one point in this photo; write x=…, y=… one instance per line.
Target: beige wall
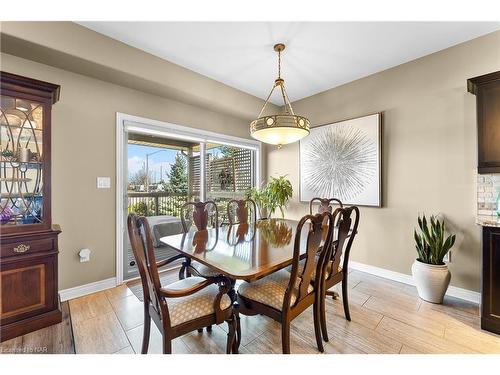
x=83, y=147
x=75, y=48
x=429, y=153
x=429, y=138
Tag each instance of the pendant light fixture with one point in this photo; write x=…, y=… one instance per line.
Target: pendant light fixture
x=279, y=129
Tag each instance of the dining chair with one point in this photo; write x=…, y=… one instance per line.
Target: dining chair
x=346, y=230
x=284, y=295
x=240, y=211
x=325, y=204
x=184, y=305
x=203, y=215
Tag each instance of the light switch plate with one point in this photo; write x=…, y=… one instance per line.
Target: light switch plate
x=103, y=182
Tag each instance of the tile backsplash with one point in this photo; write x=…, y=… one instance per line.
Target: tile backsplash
x=488, y=187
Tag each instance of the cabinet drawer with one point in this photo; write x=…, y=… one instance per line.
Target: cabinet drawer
x=29, y=287
x=27, y=247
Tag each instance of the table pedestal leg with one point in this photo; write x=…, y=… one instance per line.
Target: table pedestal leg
x=236, y=317
x=237, y=340
x=232, y=291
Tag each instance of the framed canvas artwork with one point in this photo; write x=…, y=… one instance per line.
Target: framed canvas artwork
x=343, y=160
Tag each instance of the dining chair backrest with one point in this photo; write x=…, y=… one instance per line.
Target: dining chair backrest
x=142, y=247
x=317, y=252
x=202, y=214
x=325, y=205
x=347, y=229
x=240, y=211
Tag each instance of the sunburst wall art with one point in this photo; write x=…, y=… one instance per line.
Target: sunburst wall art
x=342, y=160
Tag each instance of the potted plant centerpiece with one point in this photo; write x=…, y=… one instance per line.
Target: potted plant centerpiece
x=271, y=196
x=259, y=196
x=430, y=272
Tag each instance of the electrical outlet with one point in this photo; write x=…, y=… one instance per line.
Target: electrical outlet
x=84, y=255
x=103, y=182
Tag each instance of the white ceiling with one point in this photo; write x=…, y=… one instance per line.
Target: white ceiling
x=318, y=56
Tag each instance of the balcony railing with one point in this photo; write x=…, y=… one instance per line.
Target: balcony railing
x=162, y=203
x=156, y=203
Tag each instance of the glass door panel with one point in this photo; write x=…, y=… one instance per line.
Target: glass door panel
x=229, y=174
x=163, y=174
x=21, y=161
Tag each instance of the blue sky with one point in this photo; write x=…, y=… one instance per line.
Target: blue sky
x=157, y=162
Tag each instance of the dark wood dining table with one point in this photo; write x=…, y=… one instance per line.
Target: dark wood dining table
x=242, y=251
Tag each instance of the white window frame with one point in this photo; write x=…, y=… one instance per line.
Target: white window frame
x=143, y=125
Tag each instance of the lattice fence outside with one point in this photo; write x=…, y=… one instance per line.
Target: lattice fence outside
x=224, y=175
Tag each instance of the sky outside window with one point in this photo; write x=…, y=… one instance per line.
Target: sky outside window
x=159, y=162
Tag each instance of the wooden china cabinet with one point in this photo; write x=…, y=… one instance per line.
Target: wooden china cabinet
x=28, y=240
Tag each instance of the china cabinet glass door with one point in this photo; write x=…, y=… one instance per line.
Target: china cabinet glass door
x=21, y=162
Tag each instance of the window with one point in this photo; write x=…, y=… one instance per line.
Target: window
x=164, y=173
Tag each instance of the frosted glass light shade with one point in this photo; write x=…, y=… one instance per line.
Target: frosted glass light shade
x=280, y=129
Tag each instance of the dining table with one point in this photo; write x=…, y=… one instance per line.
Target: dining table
x=247, y=251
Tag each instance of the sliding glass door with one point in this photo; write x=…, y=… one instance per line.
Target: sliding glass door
x=166, y=169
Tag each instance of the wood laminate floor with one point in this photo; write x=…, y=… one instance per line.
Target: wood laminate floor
x=56, y=339
x=387, y=317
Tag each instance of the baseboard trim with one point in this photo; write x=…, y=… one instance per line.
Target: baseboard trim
x=83, y=290
x=453, y=291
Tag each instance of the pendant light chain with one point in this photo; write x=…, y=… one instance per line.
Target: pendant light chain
x=282, y=87
x=287, y=100
x=283, y=95
x=280, y=128
x=265, y=103
x=279, y=64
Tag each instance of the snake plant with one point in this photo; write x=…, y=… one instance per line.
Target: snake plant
x=430, y=242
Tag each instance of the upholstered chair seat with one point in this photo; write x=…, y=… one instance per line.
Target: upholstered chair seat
x=203, y=270
x=200, y=304
x=270, y=290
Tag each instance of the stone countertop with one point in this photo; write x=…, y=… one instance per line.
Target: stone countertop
x=488, y=221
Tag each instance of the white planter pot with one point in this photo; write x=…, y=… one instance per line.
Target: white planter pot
x=263, y=213
x=431, y=280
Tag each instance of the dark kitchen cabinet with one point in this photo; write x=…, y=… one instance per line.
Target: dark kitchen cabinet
x=490, y=293
x=487, y=91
